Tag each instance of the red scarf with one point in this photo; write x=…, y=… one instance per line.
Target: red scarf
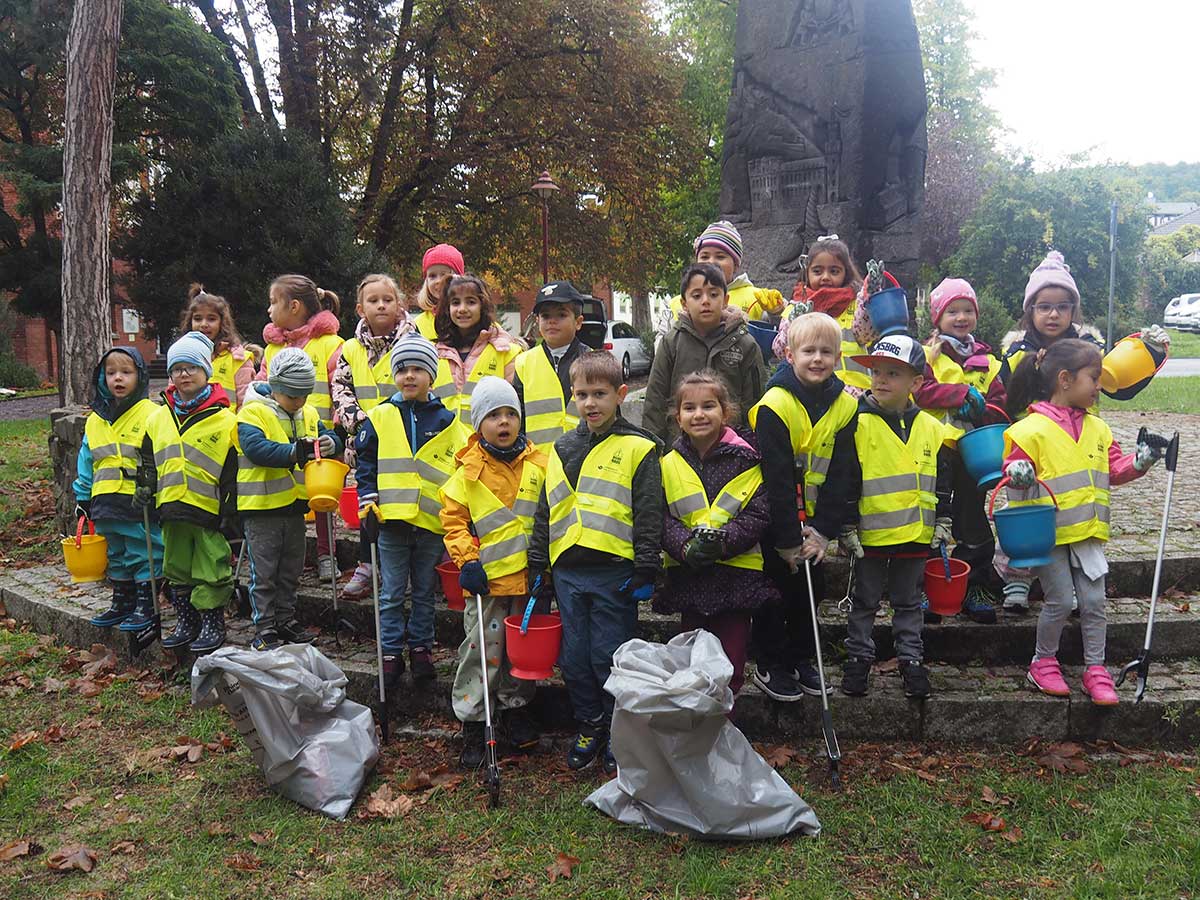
x=833, y=301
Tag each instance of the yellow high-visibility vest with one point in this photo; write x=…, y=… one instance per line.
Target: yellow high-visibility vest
x=491, y=362
x=947, y=371
x=189, y=464
x=424, y=323
x=372, y=383
x=224, y=369
x=263, y=488
x=319, y=350
x=116, y=448
x=899, y=481
x=1076, y=471
x=503, y=532
x=547, y=415
x=687, y=501
x=598, y=511
x=410, y=484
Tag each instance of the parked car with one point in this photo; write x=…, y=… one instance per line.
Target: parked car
x=621, y=341
x=1183, y=312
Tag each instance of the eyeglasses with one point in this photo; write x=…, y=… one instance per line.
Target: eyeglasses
x=185, y=370
x=1044, y=309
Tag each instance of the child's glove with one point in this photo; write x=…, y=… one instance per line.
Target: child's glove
x=639, y=587
x=793, y=556
x=143, y=487
x=368, y=515
x=303, y=451
x=850, y=543
x=1156, y=338
x=943, y=532
x=815, y=546
x=1021, y=474
x=699, y=554
x=473, y=579
x=1149, y=450
x=328, y=446
x=973, y=406
x=83, y=508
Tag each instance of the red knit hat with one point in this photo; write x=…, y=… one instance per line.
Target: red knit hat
x=444, y=255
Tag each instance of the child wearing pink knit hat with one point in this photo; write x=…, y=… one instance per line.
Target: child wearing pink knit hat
x=440, y=263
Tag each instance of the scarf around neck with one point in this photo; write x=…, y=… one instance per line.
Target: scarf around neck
x=832, y=301
x=505, y=455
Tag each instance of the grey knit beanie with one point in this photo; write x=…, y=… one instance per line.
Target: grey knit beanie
x=492, y=393
x=414, y=350
x=291, y=372
x=195, y=348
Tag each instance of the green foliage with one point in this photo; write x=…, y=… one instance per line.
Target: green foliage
x=1179, y=182
x=1165, y=273
x=13, y=374
x=255, y=205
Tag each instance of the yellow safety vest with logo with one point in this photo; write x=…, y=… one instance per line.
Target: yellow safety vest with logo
x=812, y=444
x=852, y=373
x=424, y=323
x=372, y=383
x=263, y=488
x=899, y=480
x=503, y=533
x=319, y=350
x=598, y=512
x=410, y=484
x=547, y=415
x=491, y=362
x=224, y=367
x=1076, y=471
x=189, y=464
x=687, y=501
x=947, y=371
x=116, y=448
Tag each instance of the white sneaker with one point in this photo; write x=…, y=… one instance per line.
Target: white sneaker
x=359, y=585
x=325, y=568
x=1016, y=603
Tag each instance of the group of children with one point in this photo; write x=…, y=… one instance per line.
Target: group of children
x=518, y=465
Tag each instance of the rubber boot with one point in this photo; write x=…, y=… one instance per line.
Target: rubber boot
x=212, y=631
x=187, y=619
x=144, y=614
x=124, y=602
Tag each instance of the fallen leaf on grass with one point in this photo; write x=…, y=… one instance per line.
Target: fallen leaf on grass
x=29, y=654
x=97, y=660
x=23, y=739
x=88, y=723
x=262, y=837
x=384, y=803
x=778, y=756
x=441, y=776
x=563, y=865
x=1077, y=805
x=14, y=849
x=245, y=862
x=1013, y=834
x=87, y=687
x=126, y=847
x=1064, y=758
x=55, y=734
x=216, y=828
x=991, y=797
x=3, y=781
x=986, y=821
x=73, y=856
x=1184, y=607
x=76, y=802
x=187, y=752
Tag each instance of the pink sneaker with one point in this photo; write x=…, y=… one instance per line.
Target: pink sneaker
x=1046, y=676
x=1099, y=686
x=359, y=585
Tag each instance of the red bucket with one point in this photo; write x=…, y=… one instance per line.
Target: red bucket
x=456, y=597
x=946, y=597
x=348, y=506
x=534, y=653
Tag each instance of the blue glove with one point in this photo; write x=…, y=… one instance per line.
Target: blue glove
x=973, y=406
x=473, y=579
x=638, y=587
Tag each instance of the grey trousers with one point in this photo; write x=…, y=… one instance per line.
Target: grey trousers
x=276, y=551
x=901, y=576
x=1061, y=583
x=504, y=691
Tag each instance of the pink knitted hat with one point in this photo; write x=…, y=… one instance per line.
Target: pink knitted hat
x=1052, y=272
x=947, y=292
x=443, y=254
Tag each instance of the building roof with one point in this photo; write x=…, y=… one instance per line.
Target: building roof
x=1173, y=207
x=1188, y=218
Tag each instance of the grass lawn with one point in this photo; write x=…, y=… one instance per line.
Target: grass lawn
x=99, y=772
x=1184, y=344
x=1171, y=395
x=27, y=531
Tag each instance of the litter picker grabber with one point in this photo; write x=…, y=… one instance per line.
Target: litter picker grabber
x=382, y=712
x=144, y=637
x=492, y=776
x=337, y=622
x=1141, y=665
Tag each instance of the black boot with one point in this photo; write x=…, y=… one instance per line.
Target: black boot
x=143, y=615
x=187, y=619
x=212, y=631
x=124, y=601
x=472, y=753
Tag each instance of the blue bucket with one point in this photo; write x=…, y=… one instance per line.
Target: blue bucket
x=888, y=311
x=982, y=452
x=764, y=333
x=1026, y=535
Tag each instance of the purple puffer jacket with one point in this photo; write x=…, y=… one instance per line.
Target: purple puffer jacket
x=718, y=588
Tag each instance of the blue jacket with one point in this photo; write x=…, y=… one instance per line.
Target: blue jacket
x=423, y=420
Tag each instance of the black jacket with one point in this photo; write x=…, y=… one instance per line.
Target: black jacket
x=574, y=350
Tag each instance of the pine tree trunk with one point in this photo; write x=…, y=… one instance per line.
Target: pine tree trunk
x=87, y=328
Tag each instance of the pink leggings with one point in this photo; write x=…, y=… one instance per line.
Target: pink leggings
x=732, y=628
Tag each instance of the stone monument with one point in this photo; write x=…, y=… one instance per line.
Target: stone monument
x=825, y=134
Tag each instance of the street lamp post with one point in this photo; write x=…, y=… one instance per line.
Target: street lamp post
x=544, y=187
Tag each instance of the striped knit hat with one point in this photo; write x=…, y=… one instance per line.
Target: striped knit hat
x=724, y=235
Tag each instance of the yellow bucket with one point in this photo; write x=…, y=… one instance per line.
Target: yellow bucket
x=1126, y=364
x=86, y=555
x=324, y=479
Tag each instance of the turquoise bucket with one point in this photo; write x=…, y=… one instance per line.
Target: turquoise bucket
x=1026, y=533
x=982, y=452
x=888, y=310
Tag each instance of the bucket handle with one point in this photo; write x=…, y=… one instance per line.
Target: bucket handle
x=1004, y=481
x=79, y=531
x=886, y=274
x=999, y=409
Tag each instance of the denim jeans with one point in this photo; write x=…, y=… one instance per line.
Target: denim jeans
x=597, y=618
x=405, y=554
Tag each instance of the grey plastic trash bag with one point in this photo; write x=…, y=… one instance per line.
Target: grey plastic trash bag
x=313, y=745
x=682, y=766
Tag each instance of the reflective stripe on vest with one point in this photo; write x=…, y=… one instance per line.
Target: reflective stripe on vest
x=1077, y=472
x=899, y=480
x=547, y=416
x=189, y=465
x=319, y=350
x=263, y=488
x=491, y=362
x=410, y=486
x=116, y=448
x=503, y=533
x=947, y=371
x=812, y=445
x=598, y=512
x=372, y=384
x=688, y=502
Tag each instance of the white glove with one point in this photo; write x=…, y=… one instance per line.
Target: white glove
x=851, y=543
x=1157, y=338
x=943, y=532
x=793, y=556
x=1020, y=473
x=816, y=545
x=327, y=446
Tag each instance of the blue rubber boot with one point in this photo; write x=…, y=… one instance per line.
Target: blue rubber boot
x=124, y=602
x=143, y=614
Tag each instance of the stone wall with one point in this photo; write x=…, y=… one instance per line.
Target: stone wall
x=66, y=437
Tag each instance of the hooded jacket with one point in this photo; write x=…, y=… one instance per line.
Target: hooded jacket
x=934, y=395
x=1017, y=343
x=729, y=350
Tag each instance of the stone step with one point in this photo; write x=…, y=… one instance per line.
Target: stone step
x=971, y=703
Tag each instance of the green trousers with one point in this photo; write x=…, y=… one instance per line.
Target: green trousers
x=198, y=558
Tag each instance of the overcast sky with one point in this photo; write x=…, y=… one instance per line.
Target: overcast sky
x=1121, y=80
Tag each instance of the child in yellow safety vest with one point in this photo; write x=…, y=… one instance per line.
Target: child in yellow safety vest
x=542, y=376
x=898, y=508
x=233, y=362
x=405, y=449
x=191, y=466
x=440, y=263
x=598, y=529
x=488, y=516
x=363, y=379
x=1073, y=452
x=106, y=478
x=306, y=316
x=716, y=515
x=277, y=433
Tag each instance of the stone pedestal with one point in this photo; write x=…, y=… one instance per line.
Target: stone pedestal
x=66, y=437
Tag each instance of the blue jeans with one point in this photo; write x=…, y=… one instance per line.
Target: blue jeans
x=407, y=554
x=597, y=619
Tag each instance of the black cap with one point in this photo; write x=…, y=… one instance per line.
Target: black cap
x=558, y=292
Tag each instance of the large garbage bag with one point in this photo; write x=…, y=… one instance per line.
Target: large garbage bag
x=313, y=745
x=682, y=766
